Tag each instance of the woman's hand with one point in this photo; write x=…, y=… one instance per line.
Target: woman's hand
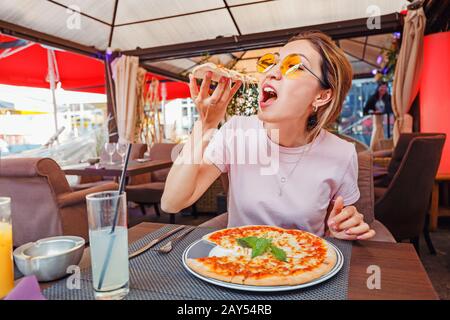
x=212, y=108
x=347, y=223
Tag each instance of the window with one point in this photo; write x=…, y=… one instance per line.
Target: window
x=352, y=122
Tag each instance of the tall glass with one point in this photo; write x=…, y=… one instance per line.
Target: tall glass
x=122, y=150
x=110, y=148
x=6, y=245
x=109, y=250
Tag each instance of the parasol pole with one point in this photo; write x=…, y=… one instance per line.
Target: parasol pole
x=163, y=109
x=52, y=80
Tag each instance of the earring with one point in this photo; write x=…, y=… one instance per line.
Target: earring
x=312, y=120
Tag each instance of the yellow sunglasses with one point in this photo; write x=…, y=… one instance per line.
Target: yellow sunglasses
x=291, y=67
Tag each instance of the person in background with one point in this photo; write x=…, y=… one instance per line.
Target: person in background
x=380, y=101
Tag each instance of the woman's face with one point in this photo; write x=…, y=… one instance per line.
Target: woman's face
x=382, y=89
x=293, y=98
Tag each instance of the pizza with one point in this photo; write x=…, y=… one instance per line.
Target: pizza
x=265, y=256
x=219, y=71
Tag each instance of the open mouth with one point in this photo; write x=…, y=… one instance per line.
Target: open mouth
x=268, y=96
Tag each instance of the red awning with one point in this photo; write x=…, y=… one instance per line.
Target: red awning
x=28, y=67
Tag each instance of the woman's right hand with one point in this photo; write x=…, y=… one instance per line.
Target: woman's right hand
x=212, y=108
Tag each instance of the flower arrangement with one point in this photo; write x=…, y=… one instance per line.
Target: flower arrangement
x=245, y=102
x=387, y=60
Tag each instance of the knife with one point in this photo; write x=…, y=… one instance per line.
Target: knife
x=155, y=242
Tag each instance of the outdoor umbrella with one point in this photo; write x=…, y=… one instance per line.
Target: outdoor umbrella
x=24, y=63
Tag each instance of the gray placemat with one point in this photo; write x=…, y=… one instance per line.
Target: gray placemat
x=156, y=276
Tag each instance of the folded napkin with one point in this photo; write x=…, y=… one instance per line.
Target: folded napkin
x=27, y=289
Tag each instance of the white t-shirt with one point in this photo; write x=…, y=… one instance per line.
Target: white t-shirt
x=309, y=176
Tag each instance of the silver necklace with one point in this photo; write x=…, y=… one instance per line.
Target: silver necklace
x=283, y=180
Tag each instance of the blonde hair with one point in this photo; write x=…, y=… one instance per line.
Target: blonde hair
x=337, y=74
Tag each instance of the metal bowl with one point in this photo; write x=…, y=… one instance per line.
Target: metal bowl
x=49, y=258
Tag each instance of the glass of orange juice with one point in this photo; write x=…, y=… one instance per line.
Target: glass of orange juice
x=6, y=245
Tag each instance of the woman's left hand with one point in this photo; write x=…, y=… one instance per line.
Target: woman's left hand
x=347, y=223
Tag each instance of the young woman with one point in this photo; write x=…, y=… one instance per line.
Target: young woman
x=380, y=101
x=314, y=185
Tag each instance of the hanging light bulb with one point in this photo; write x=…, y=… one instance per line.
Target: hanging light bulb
x=379, y=59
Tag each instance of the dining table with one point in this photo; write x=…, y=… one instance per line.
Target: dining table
x=134, y=167
x=435, y=211
x=402, y=275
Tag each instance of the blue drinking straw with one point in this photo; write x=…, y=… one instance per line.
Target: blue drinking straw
x=116, y=216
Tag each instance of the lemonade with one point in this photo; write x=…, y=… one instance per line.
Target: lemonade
x=108, y=235
x=6, y=260
x=117, y=272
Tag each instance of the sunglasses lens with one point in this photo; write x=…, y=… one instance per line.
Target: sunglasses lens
x=266, y=62
x=291, y=66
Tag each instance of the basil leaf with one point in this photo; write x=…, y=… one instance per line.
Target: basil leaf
x=247, y=242
x=261, y=246
x=278, y=253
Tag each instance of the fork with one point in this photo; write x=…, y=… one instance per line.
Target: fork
x=169, y=245
x=154, y=242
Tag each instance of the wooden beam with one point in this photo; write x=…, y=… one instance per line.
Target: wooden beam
x=165, y=73
x=39, y=37
x=363, y=76
x=336, y=30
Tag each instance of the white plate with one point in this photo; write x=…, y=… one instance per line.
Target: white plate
x=202, y=248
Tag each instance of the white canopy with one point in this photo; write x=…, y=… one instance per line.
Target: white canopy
x=147, y=24
x=128, y=24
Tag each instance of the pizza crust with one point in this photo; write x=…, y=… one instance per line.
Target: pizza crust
x=219, y=72
x=208, y=237
x=202, y=269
